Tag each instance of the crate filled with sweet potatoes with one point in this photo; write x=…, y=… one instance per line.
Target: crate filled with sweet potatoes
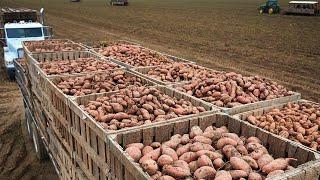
x=213, y=146
x=55, y=45
x=298, y=121
x=235, y=93
x=133, y=56
x=177, y=72
x=97, y=115
x=61, y=89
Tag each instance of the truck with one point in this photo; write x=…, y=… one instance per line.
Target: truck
x=18, y=25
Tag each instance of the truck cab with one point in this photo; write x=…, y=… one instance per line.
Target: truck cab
x=15, y=32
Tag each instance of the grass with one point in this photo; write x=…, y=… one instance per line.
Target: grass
x=228, y=35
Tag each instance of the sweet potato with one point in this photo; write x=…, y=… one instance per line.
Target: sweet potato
x=156, y=175
x=204, y=160
x=197, y=146
x=175, y=171
x=134, y=153
x=137, y=145
x=188, y=157
x=146, y=150
x=242, y=150
x=185, y=139
x=230, y=151
x=264, y=160
x=237, y=174
x=218, y=163
x=172, y=143
x=166, y=177
x=211, y=154
x=154, y=155
x=150, y=166
x=254, y=176
x=195, y=131
x=202, y=139
x=169, y=151
x=205, y=172
x=275, y=172
x=225, y=141
x=223, y=175
x=240, y=164
x=253, y=139
x=164, y=160
x=277, y=164
x=183, y=149
x=251, y=162
x=193, y=166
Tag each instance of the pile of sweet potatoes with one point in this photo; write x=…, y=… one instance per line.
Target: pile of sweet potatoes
x=296, y=121
x=232, y=89
x=136, y=106
x=52, y=46
x=179, y=71
x=134, y=55
x=98, y=83
x=213, y=153
x=80, y=65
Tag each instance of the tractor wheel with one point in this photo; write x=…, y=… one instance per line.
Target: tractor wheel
x=260, y=11
x=270, y=11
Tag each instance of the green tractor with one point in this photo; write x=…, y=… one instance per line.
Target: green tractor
x=270, y=7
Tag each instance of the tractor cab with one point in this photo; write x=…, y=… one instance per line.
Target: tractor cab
x=270, y=7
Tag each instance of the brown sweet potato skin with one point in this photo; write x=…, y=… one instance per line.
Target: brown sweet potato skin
x=191, y=159
x=205, y=172
x=134, y=153
x=297, y=121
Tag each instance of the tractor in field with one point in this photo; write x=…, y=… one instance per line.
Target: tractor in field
x=270, y=7
x=119, y=2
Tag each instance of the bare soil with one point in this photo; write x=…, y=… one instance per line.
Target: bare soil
x=17, y=157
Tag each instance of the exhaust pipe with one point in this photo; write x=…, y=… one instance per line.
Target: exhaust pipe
x=42, y=16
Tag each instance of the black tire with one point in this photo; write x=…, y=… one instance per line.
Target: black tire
x=39, y=148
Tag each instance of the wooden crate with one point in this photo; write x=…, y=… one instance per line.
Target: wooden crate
x=64, y=161
x=30, y=46
x=170, y=57
x=143, y=71
x=123, y=167
x=39, y=78
x=243, y=116
x=92, y=148
x=60, y=101
x=250, y=106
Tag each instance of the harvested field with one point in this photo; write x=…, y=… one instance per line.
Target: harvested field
x=227, y=35
x=219, y=34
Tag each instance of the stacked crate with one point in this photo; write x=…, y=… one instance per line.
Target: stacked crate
x=82, y=146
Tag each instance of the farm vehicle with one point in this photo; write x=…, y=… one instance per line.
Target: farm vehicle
x=119, y=2
x=270, y=7
x=16, y=26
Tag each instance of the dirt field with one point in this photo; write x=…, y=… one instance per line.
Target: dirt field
x=227, y=35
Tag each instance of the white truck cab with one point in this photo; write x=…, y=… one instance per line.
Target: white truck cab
x=14, y=34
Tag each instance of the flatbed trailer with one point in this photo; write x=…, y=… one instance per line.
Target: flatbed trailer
x=80, y=148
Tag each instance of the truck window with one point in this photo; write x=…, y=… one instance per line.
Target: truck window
x=23, y=33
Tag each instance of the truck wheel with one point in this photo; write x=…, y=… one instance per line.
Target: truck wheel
x=40, y=150
x=270, y=11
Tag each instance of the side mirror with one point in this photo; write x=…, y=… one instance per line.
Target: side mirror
x=48, y=33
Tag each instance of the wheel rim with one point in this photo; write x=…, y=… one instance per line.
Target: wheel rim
x=270, y=11
x=34, y=141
